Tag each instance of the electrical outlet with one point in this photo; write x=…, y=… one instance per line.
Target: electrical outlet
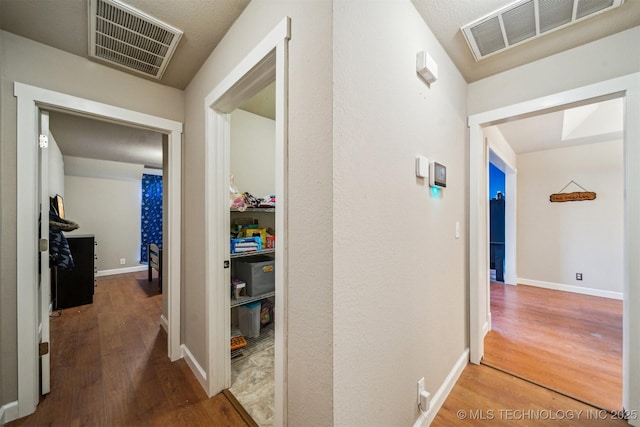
x=123, y=261
x=420, y=388
x=578, y=276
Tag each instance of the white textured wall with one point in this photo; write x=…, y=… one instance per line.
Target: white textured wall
x=400, y=275
x=613, y=56
x=253, y=142
x=310, y=346
x=109, y=209
x=558, y=240
x=22, y=60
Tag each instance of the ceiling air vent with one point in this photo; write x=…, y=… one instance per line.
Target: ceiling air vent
x=526, y=20
x=128, y=38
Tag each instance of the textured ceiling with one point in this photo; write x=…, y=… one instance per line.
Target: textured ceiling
x=93, y=139
x=63, y=24
x=445, y=17
x=587, y=124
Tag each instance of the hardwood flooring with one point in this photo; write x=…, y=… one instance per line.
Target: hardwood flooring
x=484, y=396
x=110, y=366
x=568, y=342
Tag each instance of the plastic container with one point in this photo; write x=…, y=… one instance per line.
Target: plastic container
x=249, y=319
x=257, y=272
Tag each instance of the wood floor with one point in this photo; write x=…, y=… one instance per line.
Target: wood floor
x=569, y=342
x=484, y=396
x=110, y=366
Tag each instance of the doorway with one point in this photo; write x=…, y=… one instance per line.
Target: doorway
x=568, y=325
x=266, y=63
x=29, y=100
x=627, y=87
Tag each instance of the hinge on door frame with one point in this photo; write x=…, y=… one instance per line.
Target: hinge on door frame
x=43, y=348
x=44, y=245
x=43, y=141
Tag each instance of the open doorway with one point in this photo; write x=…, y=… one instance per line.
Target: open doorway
x=625, y=87
x=265, y=64
x=562, y=326
x=253, y=233
x=30, y=100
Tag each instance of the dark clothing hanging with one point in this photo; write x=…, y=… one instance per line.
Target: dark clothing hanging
x=59, y=252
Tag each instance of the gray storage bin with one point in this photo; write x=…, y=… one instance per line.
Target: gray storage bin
x=258, y=272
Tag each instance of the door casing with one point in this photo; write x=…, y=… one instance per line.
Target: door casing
x=29, y=100
x=479, y=316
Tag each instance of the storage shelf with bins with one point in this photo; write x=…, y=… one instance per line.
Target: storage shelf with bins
x=266, y=213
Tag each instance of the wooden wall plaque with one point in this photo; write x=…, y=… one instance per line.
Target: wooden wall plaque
x=577, y=196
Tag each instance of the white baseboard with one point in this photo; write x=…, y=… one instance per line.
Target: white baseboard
x=8, y=412
x=440, y=396
x=164, y=322
x=571, y=288
x=122, y=270
x=197, y=370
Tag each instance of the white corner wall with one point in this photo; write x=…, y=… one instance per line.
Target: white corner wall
x=400, y=273
x=558, y=240
x=310, y=293
x=253, y=142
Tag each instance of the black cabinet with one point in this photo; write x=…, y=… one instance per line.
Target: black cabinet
x=74, y=287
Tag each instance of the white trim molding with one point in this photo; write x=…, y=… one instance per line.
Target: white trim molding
x=30, y=100
x=198, y=371
x=124, y=270
x=164, y=323
x=266, y=63
x=571, y=288
x=427, y=417
x=8, y=412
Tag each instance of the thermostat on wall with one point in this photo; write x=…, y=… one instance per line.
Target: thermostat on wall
x=437, y=175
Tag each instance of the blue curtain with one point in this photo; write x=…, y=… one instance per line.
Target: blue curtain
x=151, y=215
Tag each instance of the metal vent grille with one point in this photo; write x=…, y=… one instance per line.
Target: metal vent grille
x=526, y=20
x=126, y=37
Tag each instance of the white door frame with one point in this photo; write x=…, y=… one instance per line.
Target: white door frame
x=627, y=87
x=29, y=100
x=267, y=62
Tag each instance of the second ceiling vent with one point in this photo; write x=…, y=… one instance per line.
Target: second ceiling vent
x=526, y=20
x=124, y=36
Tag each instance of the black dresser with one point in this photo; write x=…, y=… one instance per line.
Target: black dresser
x=71, y=288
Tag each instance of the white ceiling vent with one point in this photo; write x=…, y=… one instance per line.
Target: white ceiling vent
x=124, y=36
x=526, y=20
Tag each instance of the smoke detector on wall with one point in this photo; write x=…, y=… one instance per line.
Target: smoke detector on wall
x=130, y=39
x=526, y=20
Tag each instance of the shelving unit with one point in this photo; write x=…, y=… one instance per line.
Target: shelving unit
x=262, y=252
x=246, y=300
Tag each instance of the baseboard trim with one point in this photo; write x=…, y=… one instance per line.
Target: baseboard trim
x=114, y=271
x=164, y=322
x=571, y=288
x=197, y=370
x=426, y=418
x=8, y=412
